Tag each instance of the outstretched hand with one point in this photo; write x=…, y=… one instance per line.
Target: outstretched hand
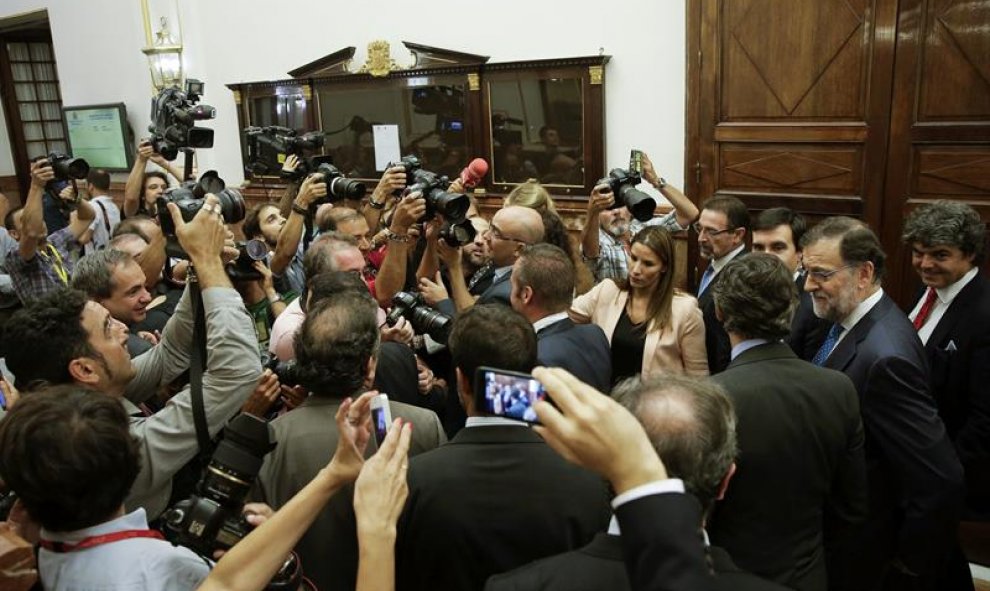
x=354, y=431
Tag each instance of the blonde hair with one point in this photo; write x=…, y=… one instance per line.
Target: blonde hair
x=533, y=195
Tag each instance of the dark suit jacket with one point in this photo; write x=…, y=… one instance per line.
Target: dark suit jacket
x=307, y=439
x=800, y=461
x=808, y=331
x=915, y=480
x=396, y=373
x=716, y=339
x=959, y=355
x=498, y=292
x=600, y=566
x=493, y=499
x=581, y=349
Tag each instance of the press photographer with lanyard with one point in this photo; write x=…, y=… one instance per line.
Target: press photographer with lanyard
x=41, y=262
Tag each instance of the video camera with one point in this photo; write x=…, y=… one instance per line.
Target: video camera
x=174, y=114
x=268, y=147
x=623, y=183
x=189, y=198
x=457, y=229
x=423, y=318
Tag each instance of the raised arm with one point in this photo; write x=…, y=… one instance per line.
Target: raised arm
x=600, y=200
x=134, y=187
x=686, y=211
x=33, y=217
x=312, y=190
x=392, y=274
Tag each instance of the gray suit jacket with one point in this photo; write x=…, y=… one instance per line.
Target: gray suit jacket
x=168, y=437
x=307, y=439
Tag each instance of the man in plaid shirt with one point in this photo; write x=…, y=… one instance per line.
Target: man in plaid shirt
x=40, y=263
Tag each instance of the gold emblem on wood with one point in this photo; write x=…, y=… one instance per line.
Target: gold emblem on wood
x=379, y=62
x=596, y=73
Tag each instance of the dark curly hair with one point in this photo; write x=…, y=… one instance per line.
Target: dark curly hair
x=69, y=455
x=757, y=297
x=336, y=341
x=947, y=223
x=44, y=337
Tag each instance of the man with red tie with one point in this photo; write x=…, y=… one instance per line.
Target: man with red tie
x=947, y=241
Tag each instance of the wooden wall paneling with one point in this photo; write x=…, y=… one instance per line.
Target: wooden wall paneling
x=940, y=120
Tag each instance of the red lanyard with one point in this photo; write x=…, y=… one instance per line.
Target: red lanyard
x=93, y=541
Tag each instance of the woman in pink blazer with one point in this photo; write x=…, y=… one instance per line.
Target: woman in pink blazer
x=652, y=327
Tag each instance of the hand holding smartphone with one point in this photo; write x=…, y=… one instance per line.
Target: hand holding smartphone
x=381, y=417
x=508, y=394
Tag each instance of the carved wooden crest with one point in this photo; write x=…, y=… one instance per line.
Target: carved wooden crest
x=380, y=61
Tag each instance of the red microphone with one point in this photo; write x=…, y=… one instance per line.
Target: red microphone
x=473, y=173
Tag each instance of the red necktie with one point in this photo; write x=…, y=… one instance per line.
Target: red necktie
x=926, y=309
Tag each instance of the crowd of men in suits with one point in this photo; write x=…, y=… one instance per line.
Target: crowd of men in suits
x=836, y=444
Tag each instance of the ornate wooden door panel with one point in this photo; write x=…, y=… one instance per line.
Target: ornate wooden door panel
x=940, y=118
x=791, y=103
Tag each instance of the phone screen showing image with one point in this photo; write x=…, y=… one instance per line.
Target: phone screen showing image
x=379, y=416
x=512, y=395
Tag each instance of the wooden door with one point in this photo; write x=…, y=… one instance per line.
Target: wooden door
x=940, y=119
x=788, y=103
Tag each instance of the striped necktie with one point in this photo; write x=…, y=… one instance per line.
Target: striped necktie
x=828, y=345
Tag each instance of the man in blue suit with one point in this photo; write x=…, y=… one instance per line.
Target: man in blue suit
x=914, y=477
x=542, y=288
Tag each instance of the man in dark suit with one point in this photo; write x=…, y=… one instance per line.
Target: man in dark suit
x=542, y=290
x=778, y=231
x=722, y=229
x=336, y=353
x=692, y=428
x=915, y=479
x=800, y=435
x=947, y=241
x=496, y=497
x=512, y=228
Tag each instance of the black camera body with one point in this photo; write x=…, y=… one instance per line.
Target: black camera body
x=623, y=184
x=248, y=253
x=457, y=229
x=423, y=318
x=338, y=186
x=174, y=114
x=189, y=198
x=268, y=147
x=211, y=519
x=66, y=167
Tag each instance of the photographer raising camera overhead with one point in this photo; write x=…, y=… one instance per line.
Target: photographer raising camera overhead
x=64, y=338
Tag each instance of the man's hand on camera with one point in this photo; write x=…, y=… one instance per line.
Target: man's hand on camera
x=407, y=212
x=595, y=432
x=601, y=199
x=354, y=431
x=450, y=255
x=145, y=151
x=312, y=190
x=649, y=173
x=433, y=291
x=293, y=396
x=264, y=396
x=393, y=179
x=68, y=194
x=203, y=240
x=41, y=173
x=230, y=252
x=402, y=332
x=290, y=164
x=255, y=514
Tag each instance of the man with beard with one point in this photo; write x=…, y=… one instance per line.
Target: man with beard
x=605, y=249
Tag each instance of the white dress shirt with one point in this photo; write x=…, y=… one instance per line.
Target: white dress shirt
x=943, y=299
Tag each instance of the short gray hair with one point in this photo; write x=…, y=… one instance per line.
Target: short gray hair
x=692, y=426
x=93, y=273
x=947, y=223
x=757, y=297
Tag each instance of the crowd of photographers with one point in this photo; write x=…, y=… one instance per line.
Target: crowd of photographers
x=185, y=409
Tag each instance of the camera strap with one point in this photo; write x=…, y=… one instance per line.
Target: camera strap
x=197, y=365
x=93, y=541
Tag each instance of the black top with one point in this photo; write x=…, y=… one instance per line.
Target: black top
x=628, y=343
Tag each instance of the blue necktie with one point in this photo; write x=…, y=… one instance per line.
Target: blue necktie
x=706, y=278
x=828, y=345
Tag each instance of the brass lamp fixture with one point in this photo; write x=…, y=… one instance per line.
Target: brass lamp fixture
x=163, y=51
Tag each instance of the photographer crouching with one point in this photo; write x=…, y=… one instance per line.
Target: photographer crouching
x=65, y=339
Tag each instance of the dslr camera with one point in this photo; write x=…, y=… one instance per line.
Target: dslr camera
x=457, y=229
x=424, y=319
x=66, y=167
x=623, y=183
x=248, y=253
x=268, y=147
x=189, y=198
x=338, y=187
x=174, y=113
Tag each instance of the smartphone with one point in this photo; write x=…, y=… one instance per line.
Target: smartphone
x=636, y=161
x=508, y=394
x=381, y=417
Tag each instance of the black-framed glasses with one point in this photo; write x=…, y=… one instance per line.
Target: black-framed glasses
x=823, y=276
x=711, y=232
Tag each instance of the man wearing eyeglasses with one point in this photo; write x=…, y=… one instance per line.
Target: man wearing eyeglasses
x=914, y=477
x=722, y=230
x=512, y=229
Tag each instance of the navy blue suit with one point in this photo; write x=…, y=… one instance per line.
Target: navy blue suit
x=915, y=479
x=581, y=349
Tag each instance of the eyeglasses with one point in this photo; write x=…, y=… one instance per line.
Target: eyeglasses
x=823, y=276
x=711, y=233
x=494, y=231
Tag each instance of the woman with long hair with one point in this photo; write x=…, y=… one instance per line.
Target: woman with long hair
x=653, y=328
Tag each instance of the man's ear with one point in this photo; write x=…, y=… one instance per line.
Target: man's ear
x=85, y=370
x=527, y=295
x=464, y=391
x=724, y=485
x=718, y=313
x=369, y=376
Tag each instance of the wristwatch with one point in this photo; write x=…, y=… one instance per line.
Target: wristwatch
x=393, y=237
x=661, y=183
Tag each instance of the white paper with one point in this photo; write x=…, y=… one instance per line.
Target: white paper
x=386, y=145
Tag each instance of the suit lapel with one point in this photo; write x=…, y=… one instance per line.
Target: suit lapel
x=845, y=351
x=956, y=312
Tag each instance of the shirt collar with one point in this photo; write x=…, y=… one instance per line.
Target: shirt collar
x=501, y=271
x=861, y=310
x=136, y=519
x=719, y=263
x=746, y=345
x=613, y=530
x=548, y=320
x=947, y=294
x=493, y=422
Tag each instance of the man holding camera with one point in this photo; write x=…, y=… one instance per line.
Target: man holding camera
x=42, y=262
x=63, y=338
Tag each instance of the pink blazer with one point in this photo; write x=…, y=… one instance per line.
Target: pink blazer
x=678, y=348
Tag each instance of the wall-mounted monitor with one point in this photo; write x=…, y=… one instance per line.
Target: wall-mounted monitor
x=100, y=135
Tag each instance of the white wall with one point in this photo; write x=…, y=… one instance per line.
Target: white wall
x=97, y=45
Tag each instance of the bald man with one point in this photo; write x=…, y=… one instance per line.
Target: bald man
x=512, y=228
